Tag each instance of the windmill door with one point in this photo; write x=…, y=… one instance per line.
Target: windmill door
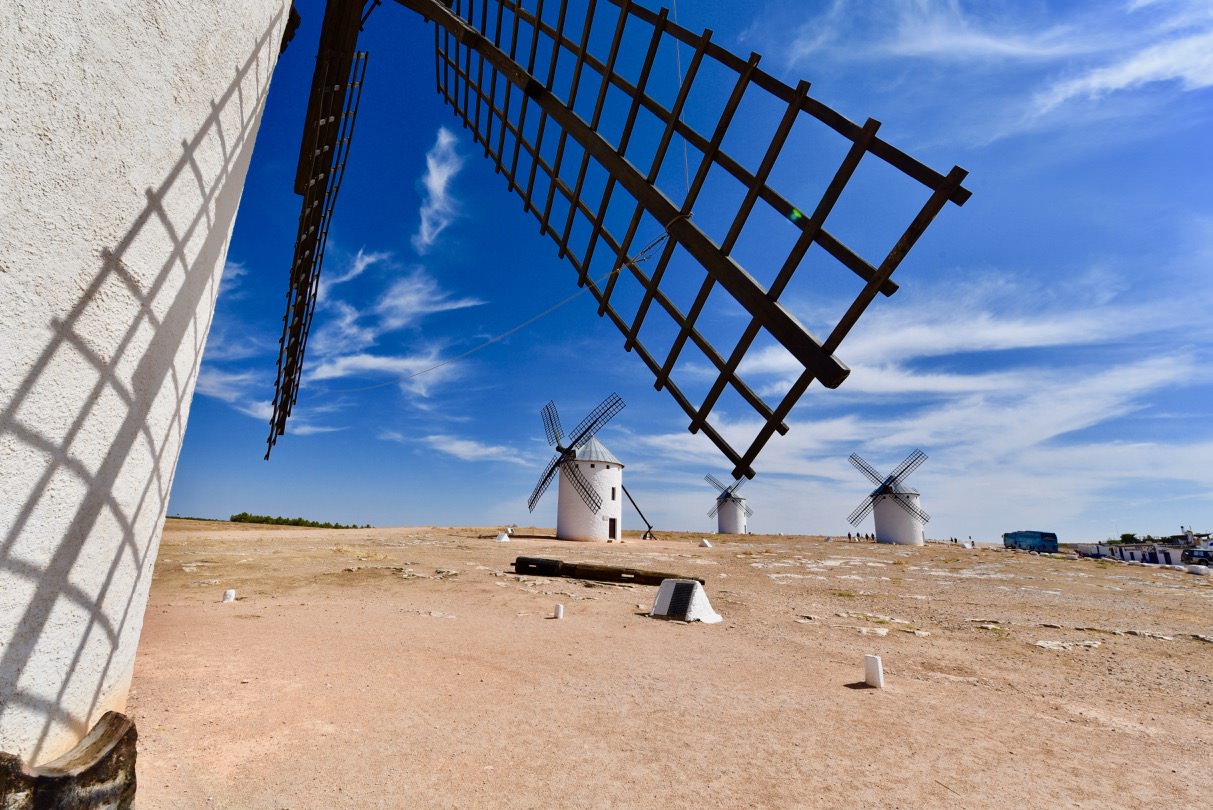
x=611, y=527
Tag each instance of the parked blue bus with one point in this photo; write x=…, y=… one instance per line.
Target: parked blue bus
x=1031, y=541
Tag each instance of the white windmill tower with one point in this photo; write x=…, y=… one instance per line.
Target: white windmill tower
x=730, y=510
x=590, y=505
x=898, y=517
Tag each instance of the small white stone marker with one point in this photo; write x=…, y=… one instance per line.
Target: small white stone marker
x=502, y=538
x=705, y=543
x=559, y=612
x=229, y=595
x=873, y=671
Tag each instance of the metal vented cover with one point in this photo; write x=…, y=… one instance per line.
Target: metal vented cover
x=680, y=601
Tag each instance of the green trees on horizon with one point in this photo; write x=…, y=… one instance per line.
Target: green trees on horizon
x=245, y=517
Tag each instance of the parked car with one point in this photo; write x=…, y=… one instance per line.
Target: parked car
x=1197, y=556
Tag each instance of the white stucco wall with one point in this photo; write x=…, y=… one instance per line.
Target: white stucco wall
x=731, y=518
x=125, y=132
x=574, y=520
x=895, y=524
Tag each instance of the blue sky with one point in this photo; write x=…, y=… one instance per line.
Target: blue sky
x=1049, y=348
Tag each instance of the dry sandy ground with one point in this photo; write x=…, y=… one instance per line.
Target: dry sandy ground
x=412, y=668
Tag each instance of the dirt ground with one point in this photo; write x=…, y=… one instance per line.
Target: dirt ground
x=411, y=667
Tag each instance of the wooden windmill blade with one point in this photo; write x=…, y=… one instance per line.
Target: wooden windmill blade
x=856, y=517
x=912, y=462
x=532, y=88
x=328, y=132
x=545, y=480
x=908, y=505
x=551, y=424
x=489, y=74
x=589, y=496
x=867, y=469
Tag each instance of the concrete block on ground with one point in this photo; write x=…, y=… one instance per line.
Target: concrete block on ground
x=873, y=671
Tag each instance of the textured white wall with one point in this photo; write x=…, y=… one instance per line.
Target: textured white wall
x=894, y=524
x=574, y=520
x=125, y=133
x=731, y=518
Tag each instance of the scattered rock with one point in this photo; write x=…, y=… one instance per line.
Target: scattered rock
x=1062, y=646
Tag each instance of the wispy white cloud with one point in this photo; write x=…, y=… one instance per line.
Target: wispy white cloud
x=1026, y=68
x=304, y=429
x=261, y=409
x=227, y=342
x=931, y=29
x=233, y=272
x=239, y=389
x=413, y=297
x=346, y=365
x=341, y=330
x=994, y=314
x=340, y=342
x=356, y=267
x=472, y=450
x=1045, y=407
x=427, y=366
x=225, y=385
x=438, y=208
x=1187, y=61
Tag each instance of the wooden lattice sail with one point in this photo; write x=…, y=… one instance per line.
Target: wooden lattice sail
x=533, y=85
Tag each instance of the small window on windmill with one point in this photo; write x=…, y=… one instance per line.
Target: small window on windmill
x=612, y=493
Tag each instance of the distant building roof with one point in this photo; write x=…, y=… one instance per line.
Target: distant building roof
x=594, y=450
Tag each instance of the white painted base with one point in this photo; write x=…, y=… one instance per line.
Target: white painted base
x=575, y=521
x=894, y=524
x=128, y=132
x=731, y=518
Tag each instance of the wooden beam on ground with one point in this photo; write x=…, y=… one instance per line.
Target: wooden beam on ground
x=543, y=567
